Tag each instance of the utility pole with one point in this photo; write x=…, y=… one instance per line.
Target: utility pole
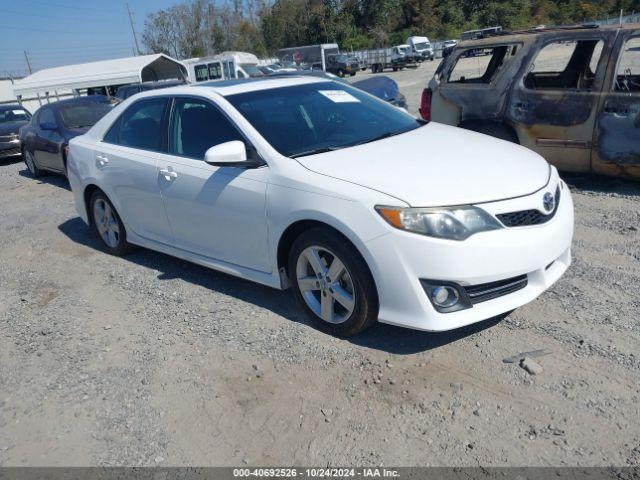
x=26, y=57
x=135, y=37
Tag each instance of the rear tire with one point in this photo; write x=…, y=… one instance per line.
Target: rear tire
x=30, y=161
x=107, y=225
x=332, y=282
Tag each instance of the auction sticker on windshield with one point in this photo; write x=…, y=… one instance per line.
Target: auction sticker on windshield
x=339, y=96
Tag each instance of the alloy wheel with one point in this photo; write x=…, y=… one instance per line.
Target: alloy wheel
x=325, y=284
x=106, y=223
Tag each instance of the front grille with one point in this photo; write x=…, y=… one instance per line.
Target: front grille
x=10, y=152
x=491, y=290
x=8, y=138
x=525, y=218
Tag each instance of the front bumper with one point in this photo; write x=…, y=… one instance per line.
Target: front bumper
x=10, y=149
x=399, y=260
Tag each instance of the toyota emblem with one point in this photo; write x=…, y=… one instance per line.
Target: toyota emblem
x=548, y=202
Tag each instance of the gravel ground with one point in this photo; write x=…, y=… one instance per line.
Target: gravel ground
x=149, y=360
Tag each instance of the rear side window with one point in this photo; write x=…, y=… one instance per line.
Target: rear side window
x=140, y=126
x=202, y=73
x=628, y=71
x=565, y=66
x=481, y=65
x=196, y=126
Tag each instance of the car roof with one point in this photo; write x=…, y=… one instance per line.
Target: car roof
x=78, y=101
x=564, y=32
x=231, y=87
x=12, y=106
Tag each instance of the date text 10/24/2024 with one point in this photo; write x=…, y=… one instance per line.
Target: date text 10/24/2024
x=316, y=472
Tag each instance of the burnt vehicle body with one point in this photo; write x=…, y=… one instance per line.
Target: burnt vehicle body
x=44, y=140
x=12, y=118
x=571, y=94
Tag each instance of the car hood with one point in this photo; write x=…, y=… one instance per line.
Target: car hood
x=437, y=165
x=379, y=86
x=11, y=127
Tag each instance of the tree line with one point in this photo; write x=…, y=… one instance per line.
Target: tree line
x=196, y=28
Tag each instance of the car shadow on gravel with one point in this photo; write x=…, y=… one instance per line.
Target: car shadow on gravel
x=396, y=340
x=50, y=178
x=593, y=183
x=5, y=162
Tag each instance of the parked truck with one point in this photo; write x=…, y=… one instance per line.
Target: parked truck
x=420, y=48
x=308, y=56
x=396, y=58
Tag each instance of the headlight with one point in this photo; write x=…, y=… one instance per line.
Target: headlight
x=453, y=223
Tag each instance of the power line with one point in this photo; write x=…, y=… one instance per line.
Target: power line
x=41, y=30
x=75, y=7
x=68, y=47
x=58, y=18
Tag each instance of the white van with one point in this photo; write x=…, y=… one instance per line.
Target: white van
x=421, y=48
x=223, y=66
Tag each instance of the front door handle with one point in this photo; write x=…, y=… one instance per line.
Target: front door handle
x=168, y=174
x=101, y=161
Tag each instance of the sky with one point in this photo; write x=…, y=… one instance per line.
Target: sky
x=63, y=32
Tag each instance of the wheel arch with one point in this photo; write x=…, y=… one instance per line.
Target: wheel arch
x=88, y=192
x=295, y=229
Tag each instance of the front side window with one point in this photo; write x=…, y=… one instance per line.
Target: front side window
x=140, y=126
x=87, y=115
x=628, y=71
x=14, y=115
x=304, y=119
x=569, y=65
x=481, y=65
x=196, y=126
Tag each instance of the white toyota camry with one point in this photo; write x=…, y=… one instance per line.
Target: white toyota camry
x=365, y=212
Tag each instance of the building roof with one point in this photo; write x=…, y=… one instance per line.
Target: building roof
x=98, y=74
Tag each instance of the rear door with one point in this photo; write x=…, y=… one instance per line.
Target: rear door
x=554, y=106
x=617, y=133
x=127, y=160
x=47, y=142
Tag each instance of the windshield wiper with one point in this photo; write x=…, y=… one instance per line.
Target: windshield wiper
x=315, y=151
x=379, y=137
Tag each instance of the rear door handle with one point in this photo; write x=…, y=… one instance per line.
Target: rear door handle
x=101, y=161
x=168, y=174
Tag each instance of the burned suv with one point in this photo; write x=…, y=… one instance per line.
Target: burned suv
x=572, y=94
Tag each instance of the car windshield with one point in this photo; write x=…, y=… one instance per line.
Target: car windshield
x=316, y=117
x=421, y=46
x=251, y=70
x=14, y=115
x=84, y=115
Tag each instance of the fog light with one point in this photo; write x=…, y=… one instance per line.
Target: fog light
x=444, y=296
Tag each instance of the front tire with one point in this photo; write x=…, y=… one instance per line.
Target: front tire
x=107, y=225
x=332, y=283
x=30, y=162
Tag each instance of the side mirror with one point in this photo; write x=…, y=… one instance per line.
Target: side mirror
x=48, y=126
x=231, y=154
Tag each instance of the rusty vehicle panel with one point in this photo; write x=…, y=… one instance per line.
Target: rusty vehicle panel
x=571, y=94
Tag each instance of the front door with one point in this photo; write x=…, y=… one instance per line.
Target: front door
x=617, y=133
x=216, y=212
x=554, y=105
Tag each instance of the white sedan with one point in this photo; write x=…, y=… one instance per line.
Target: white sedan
x=365, y=212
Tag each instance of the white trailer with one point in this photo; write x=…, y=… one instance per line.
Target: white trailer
x=223, y=66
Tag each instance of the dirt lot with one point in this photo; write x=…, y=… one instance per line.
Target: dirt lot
x=149, y=360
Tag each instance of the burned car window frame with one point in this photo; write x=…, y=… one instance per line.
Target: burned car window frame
x=498, y=69
x=595, y=86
